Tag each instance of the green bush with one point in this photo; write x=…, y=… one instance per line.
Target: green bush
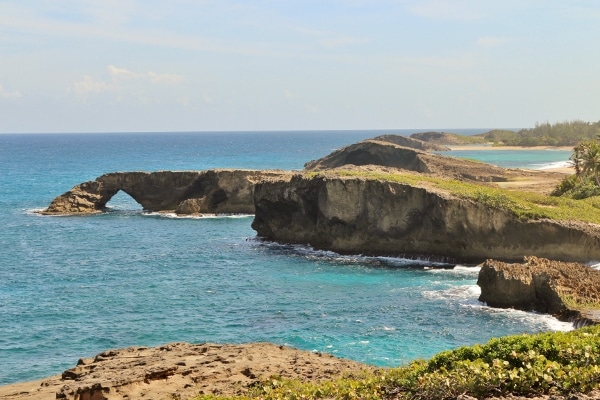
x=527, y=365
x=577, y=188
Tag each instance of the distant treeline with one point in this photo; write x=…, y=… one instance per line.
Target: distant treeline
x=568, y=133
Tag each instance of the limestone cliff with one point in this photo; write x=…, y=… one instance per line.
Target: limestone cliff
x=563, y=289
x=378, y=217
x=185, y=192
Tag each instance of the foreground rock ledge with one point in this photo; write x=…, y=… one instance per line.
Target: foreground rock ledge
x=569, y=291
x=180, y=370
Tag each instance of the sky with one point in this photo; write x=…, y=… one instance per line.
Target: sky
x=226, y=65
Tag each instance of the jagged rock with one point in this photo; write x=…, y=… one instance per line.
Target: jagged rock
x=185, y=192
x=541, y=285
x=376, y=217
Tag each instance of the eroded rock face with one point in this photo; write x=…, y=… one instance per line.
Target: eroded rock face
x=185, y=192
x=540, y=285
x=376, y=217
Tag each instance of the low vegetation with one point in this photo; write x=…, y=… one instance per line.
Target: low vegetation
x=568, y=133
x=558, y=363
x=525, y=205
x=586, y=181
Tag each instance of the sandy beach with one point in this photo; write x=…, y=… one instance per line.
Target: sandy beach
x=488, y=147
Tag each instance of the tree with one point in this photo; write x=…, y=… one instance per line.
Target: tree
x=586, y=160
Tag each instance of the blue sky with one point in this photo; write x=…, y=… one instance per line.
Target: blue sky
x=206, y=65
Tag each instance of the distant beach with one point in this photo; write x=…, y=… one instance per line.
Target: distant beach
x=476, y=147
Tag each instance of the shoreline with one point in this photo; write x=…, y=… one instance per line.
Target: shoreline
x=488, y=147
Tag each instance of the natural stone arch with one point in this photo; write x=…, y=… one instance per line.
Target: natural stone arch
x=183, y=192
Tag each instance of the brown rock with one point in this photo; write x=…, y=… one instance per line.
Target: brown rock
x=386, y=154
x=181, y=370
x=541, y=285
x=185, y=192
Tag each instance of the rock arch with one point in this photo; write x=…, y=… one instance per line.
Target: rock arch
x=183, y=192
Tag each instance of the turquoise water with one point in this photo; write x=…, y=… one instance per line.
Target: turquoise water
x=71, y=287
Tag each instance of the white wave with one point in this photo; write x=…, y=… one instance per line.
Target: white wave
x=312, y=253
x=35, y=211
x=552, y=165
x=526, y=317
x=594, y=264
x=461, y=293
x=400, y=262
x=458, y=270
x=194, y=216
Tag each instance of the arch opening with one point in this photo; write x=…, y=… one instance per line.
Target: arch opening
x=121, y=201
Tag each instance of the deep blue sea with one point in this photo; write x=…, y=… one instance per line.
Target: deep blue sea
x=71, y=287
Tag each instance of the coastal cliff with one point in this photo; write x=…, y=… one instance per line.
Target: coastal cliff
x=371, y=216
x=221, y=191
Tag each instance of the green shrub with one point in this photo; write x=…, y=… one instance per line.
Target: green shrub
x=527, y=365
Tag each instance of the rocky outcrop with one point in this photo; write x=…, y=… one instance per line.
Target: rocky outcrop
x=378, y=217
x=410, y=142
x=567, y=290
x=184, y=192
x=181, y=371
x=373, y=152
x=445, y=138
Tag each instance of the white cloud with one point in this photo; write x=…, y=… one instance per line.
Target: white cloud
x=491, y=41
x=448, y=10
x=89, y=85
x=165, y=78
x=7, y=94
x=121, y=79
x=120, y=72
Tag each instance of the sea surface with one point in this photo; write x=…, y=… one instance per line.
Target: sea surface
x=71, y=287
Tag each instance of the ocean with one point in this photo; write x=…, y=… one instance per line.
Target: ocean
x=71, y=287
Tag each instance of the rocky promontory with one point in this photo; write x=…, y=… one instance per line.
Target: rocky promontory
x=375, y=216
x=387, y=153
x=221, y=191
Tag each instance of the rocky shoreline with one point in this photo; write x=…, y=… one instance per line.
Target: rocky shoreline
x=180, y=370
x=185, y=371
